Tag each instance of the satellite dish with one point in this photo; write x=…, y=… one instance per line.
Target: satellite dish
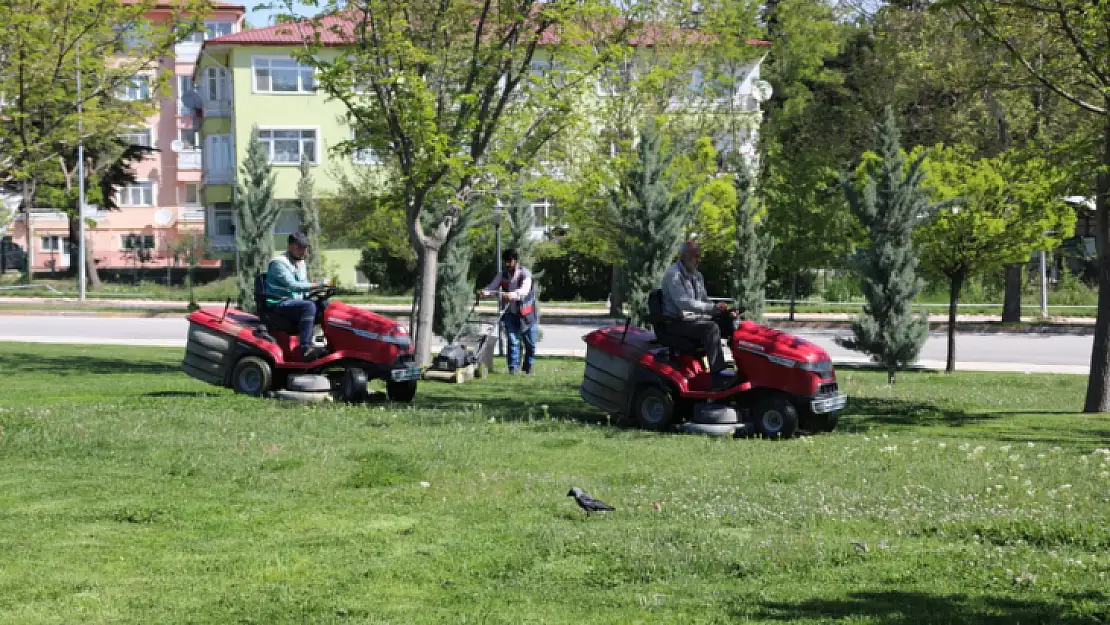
x=763, y=90
x=176, y=145
x=191, y=99
x=163, y=217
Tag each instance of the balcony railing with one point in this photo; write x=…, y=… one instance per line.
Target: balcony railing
x=189, y=159
x=191, y=214
x=219, y=176
x=217, y=108
x=223, y=242
x=187, y=51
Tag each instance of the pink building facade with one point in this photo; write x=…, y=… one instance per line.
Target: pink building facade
x=164, y=205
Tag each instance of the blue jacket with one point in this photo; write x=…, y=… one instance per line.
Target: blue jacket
x=286, y=280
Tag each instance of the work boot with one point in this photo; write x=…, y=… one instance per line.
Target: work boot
x=310, y=353
x=725, y=379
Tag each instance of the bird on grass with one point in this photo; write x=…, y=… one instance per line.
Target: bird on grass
x=587, y=503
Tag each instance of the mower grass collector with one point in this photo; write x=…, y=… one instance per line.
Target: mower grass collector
x=658, y=381
x=249, y=354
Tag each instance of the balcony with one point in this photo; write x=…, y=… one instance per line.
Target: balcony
x=191, y=214
x=223, y=242
x=219, y=176
x=217, y=108
x=187, y=51
x=189, y=159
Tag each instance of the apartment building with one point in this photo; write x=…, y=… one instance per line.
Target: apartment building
x=165, y=201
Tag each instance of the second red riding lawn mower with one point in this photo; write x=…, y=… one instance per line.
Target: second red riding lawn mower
x=253, y=355
x=659, y=381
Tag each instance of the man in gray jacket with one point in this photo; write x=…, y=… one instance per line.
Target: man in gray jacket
x=689, y=311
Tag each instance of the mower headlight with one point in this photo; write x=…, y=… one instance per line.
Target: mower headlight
x=823, y=367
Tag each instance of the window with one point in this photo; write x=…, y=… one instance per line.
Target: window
x=188, y=138
x=192, y=194
x=223, y=221
x=285, y=147
x=542, y=210
x=140, y=137
x=54, y=243
x=137, y=194
x=217, y=29
x=364, y=156
x=184, y=85
x=137, y=89
x=289, y=220
x=131, y=242
x=283, y=76
x=215, y=84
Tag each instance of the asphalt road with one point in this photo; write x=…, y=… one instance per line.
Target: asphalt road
x=975, y=351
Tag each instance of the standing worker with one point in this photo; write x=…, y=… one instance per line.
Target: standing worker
x=518, y=294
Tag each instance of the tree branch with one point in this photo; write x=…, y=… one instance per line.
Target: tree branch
x=1084, y=53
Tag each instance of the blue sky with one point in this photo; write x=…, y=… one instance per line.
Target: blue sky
x=258, y=18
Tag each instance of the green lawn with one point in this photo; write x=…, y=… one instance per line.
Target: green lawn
x=130, y=493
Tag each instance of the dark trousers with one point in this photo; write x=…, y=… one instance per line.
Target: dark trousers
x=297, y=315
x=708, y=333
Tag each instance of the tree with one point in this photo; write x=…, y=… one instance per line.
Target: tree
x=452, y=96
x=257, y=211
x=1002, y=212
x=1069, y=57
x=119, y=51
x=310, y=219
x=890, y=203
x=752, y=249
x=454, y=291
x=657, y=217
x=192, y=247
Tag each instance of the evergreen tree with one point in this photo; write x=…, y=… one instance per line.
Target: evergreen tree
x=522, y=218
x=656, y=218
x=889, y=206
x=257, y=211
x=454, y=292
x=310, y=220
x=752, y=249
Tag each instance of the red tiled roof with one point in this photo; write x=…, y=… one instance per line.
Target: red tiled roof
x=337, y=30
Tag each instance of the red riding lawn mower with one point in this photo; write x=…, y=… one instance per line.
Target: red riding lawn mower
x=252, y=355
x=659, y=381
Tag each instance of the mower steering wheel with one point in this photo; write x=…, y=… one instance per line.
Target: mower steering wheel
x=321, y=293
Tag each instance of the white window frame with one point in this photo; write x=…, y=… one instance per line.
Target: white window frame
x=210, y=23
x=218, y=215
x=364, y=156
x=222, y=80
x=60, y=243
x=181, y=137
x=139, y=131
x=142, y=239
x=185, y=194
x=290, y=208
x=181, y=78
x=269, y=144
x=124, y=93
x=123, y=194
x=267, y=58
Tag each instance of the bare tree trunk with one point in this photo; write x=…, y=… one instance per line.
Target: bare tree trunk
x=793, y=293
x=616, y=302
x=427, y=305
x=1011, y=305
x=1098, y=383
x=955, y=285
x=90, y=267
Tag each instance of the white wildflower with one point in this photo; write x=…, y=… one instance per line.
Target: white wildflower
x=425, y=484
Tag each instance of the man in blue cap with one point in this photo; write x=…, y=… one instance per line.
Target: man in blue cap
x=287, y=285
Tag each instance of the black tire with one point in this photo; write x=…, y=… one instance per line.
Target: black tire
x=400, y=391
x=251, y=376
x=353, y=387
x=775, y=417
x=826, y=422
x=653, y=408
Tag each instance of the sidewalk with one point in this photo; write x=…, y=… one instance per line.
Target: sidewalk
x=46, y=306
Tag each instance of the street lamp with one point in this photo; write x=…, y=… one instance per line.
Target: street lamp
x=80, y=188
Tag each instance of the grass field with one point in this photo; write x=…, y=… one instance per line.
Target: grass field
x=130, y=493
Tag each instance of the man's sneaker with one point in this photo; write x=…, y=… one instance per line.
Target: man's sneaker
x=312, y=352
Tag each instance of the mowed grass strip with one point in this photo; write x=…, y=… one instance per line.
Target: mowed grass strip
x=130, y=493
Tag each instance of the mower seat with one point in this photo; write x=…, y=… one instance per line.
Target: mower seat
x=677, y=344
x=263, y=309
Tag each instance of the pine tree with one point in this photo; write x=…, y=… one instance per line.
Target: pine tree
x=310, y=220
x=257, y=211
x=889, y=206
x=656, y=218
x=454, y=292
x=522, y=218
x=752, y=249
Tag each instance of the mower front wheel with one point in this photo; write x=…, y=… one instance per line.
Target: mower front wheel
x=400, y=391
x=353, y=387
x=251, y=376
x=653, y=408
x=775, y=417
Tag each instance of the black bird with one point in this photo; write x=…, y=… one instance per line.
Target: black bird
x=587, y=503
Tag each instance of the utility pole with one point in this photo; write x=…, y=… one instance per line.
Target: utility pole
x=80, y=188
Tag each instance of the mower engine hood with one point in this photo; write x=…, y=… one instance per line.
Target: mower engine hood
x=779, y=347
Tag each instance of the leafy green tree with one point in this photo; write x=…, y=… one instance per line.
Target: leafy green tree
x=752, y=248
x=1003, y=212
x=657, y=217
x=257, y=211
x=891, y=202
x=453, y=96
x=116, y=49
x=310, y=220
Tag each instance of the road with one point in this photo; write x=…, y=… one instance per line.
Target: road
x=975, y=351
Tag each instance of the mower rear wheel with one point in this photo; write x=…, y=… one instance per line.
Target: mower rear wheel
x=653, y=408
x=775, y=417
x=251, y=376
x=353, y=387
x=400, y=391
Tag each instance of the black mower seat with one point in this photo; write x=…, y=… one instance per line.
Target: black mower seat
x=677, y=344
x=263, y=310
